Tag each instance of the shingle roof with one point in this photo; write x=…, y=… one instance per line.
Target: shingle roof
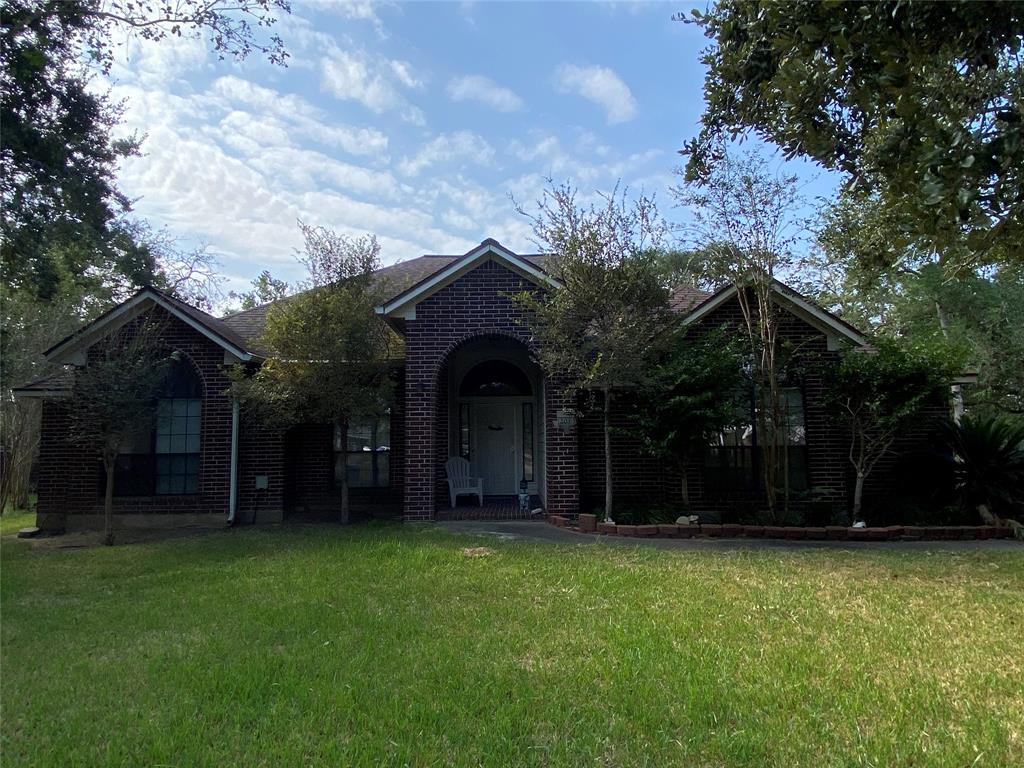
x=55, y=383
x=686, y=297
x=393, y=280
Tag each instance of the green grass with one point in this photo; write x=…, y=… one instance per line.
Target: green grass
x=389, y=645
x=13, y=520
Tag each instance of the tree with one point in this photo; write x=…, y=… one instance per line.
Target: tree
x=332, y=357
x=265, y=289
x=918, y=104
x=694, y=390
x=114, y=397
x=596, y=331
x=986, y=455
x=895, y=292
x=58, y=193
x=876, y=394
x=745, y=228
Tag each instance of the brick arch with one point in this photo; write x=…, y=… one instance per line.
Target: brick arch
x=476, y=335
x=196, y=369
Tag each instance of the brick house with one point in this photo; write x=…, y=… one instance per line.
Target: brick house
x=468, y=387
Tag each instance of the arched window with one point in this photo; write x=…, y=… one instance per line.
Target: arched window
x=495, y=378
x=178, y=426
x=164, y=459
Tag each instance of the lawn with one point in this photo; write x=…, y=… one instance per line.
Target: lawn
x=391, y=645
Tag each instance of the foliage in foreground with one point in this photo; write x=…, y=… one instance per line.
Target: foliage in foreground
x=918, y=104
x=986, y=462
x=876, y=395
x=389, y=645
x=596, y=332
x=332, y=357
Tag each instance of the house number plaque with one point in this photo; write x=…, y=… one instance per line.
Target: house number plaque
x=565, y=419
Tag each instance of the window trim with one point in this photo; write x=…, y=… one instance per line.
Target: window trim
x=754, y=481
x=376, y=453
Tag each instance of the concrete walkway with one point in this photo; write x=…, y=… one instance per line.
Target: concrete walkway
x=525, y=530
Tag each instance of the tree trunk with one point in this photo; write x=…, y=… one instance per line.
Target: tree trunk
x=608, y=455
x=684, y=486
x=109, y=462
x=344, y=475
x=858, y=495
x=956, y=389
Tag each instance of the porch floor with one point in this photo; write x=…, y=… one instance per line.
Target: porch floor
x=494, y=508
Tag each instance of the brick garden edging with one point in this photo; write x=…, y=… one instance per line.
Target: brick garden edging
x=589, y=524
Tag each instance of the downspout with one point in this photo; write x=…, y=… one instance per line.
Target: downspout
x=233, y=488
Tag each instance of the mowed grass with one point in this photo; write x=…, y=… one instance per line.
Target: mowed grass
x=392, y=645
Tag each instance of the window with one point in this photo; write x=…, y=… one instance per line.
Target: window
x=528, y=442
x=495, y=378
x=464, y=431
x=164, y=459
x=732, y=459
x=365, y=456
x=178, y=424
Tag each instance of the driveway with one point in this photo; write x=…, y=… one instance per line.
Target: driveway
x=528, y=530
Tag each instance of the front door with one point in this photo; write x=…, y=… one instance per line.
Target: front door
x=495, y=455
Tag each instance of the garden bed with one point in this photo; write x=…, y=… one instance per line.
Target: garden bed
x=589, y=524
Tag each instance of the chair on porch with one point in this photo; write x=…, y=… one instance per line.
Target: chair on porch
x=459, y=481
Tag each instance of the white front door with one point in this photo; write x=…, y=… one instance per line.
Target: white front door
x=495, y=456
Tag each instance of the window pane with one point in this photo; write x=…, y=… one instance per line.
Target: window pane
x=464, y=431
x=528, y=442
x=365, y=461
x=792, y=402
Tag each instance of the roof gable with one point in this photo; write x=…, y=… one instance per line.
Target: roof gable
x=403, y=305
x=833, y=327
x=68, y=350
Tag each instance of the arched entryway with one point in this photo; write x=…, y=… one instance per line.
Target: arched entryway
x=492, y=393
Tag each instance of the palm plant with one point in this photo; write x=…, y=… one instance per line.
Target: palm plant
x=987, y=455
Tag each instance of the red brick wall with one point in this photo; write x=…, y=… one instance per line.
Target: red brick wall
x=475, y=305
x=69, y=474
x=641, y=478
x=309, y=469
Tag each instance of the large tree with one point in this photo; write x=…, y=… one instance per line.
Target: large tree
x=596, y=332
x=918, y=104
x=694, y=390
x=61, y=206
x=332, y=358
x=746, y=228
x=114, y=397
x=906, y=292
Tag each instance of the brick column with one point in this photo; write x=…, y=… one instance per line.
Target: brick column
x=561, y=449
x=420, y=416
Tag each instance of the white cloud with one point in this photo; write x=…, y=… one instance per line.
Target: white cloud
x=601, y=86
x=463, y=146
x=304, y=119
x=484, y=90
x=373, y=83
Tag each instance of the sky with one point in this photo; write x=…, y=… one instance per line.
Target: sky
x=418, y=122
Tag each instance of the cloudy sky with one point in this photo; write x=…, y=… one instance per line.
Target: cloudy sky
x=415, y=121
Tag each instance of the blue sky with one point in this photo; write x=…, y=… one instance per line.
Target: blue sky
x=413, y=121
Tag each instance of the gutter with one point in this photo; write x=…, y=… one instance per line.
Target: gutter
x=233, y=488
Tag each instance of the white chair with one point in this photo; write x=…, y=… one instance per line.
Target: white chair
x=459, y=481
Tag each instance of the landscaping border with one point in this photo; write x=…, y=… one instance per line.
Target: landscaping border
x=590, y=524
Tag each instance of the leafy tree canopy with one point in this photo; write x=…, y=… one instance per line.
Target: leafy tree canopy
x=61, y=207
x=918, y=103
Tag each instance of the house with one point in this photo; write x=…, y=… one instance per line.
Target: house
x=467, y=387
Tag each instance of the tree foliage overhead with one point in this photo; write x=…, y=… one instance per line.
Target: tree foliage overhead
x=61, y=206
x=919, y=104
